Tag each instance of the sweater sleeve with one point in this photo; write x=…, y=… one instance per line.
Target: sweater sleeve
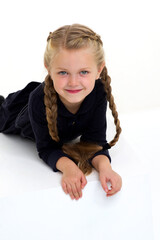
x=96, y=129
x=48, y=149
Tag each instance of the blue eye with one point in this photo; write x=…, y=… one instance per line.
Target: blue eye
x=84, y=72
x=62, y=73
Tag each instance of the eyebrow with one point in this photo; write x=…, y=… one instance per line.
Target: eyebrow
x=60, y=68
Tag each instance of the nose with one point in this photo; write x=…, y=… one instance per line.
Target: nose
x=72, y=81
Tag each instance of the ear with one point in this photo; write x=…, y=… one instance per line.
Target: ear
x=100, y=69
x=46, y=67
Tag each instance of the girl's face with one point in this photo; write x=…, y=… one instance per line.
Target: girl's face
x=74, y=73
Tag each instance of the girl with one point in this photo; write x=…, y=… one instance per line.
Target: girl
x=70, y=103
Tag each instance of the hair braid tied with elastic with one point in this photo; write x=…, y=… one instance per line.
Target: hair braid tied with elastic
x=106, y=81
x=50, y=101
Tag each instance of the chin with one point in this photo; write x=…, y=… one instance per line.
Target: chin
x=75, y=101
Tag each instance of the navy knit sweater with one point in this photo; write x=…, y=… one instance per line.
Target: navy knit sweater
x=89, y=123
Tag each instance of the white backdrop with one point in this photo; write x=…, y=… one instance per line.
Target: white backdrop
x=129, y=29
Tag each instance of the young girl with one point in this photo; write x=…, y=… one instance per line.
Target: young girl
x=70, y=103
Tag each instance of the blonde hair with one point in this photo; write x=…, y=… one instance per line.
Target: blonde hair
x=76, y=36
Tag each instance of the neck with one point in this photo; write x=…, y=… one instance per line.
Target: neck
x=71, y=107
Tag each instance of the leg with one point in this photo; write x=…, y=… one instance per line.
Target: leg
x=1, y=100
x=11, y=107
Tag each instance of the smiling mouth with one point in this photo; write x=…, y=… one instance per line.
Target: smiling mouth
x=74, y=91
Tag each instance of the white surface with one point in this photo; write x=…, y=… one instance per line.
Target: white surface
x=142, y=131
x=33, y=205
x=51, y=214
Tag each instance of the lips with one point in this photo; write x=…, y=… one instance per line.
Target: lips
x=73, y=91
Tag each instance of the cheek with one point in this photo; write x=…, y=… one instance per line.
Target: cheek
x=58, y=81
x=58, y=84
x=88, y=85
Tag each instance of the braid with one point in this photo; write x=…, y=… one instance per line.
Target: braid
x=94, y=37
x=50, y=101
x=106, y=81
x=78, y=38
x=81, y=152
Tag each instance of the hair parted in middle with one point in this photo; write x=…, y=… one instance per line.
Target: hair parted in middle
x=76, y=36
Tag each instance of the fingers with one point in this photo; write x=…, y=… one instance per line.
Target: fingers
x=116, y=184
x=64, y=186
x=74, y=189
x=104, y=184
x=83, y=181
x=69, y=188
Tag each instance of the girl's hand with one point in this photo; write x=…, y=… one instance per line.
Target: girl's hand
x=108, y=175
x=73, y=181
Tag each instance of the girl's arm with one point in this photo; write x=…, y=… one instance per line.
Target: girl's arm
x=95, y=132
x=48, y=150
x=102, y=164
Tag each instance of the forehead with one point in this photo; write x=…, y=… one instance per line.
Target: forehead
x=70, y=58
